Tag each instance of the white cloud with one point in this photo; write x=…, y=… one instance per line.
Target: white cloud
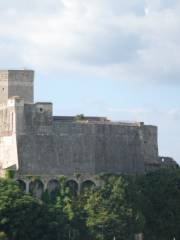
x=126, y=40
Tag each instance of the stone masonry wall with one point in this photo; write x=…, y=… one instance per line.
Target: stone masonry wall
x=47, y=147
x=16, y=83
x=3, y=86
x=8, y=143
x=98, y=148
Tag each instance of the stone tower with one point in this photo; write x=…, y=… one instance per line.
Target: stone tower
x=17, y=83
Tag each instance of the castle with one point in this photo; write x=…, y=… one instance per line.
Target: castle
x=33, y=142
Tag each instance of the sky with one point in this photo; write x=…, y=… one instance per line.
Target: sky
x=114, y=58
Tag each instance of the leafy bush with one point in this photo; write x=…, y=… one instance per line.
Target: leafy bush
x=9, y=174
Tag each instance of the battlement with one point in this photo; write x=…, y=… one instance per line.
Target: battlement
x=17, y=83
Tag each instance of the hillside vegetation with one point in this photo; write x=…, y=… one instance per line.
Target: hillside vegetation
x=119, y=208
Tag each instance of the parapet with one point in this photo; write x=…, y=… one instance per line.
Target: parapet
x=95, y=119
x=80, y=118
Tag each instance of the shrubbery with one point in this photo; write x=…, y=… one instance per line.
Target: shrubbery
x=121, y=207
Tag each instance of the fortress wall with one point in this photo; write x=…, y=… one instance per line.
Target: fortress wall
x=12, y=116
x=8, y=144
x=8, y=152
x=3, y=85
x=37, y=155
x=21, y=83
x=118, y=149
x=36, y=145
x=17, y=83
x=47, y=147
x=99, y=147
x=6, y=120
x=64, y=151
x=75, y=144
x=7, y=140
x=150, y=144
x=38, y=118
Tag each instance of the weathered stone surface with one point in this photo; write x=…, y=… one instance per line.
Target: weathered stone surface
x=34, y=142
x=16, y=83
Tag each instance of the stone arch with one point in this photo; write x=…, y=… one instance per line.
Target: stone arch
x=73, y=186
x=52, y=188
x=52, y=185
x=21, y=184
x=36, y=188
x=87, y=184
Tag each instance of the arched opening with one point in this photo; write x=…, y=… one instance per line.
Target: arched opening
x=36, y=188
x=87, y=185
x=52, y=188
x=73, y=186
x=53, y=185
x=21, y=184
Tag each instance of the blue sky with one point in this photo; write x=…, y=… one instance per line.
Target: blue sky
x=114, y=58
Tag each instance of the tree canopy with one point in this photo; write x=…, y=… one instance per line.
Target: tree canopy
x=117, y=209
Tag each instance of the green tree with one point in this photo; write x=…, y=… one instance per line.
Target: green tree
x=80, y=117
x=159, y=200
x=80, y=217
x=71, y=207
x=109, y=214
x=24, y=217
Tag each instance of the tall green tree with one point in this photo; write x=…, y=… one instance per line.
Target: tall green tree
x=24, y=217
x=69, y=208
x=109, y=213
x=160, y=203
